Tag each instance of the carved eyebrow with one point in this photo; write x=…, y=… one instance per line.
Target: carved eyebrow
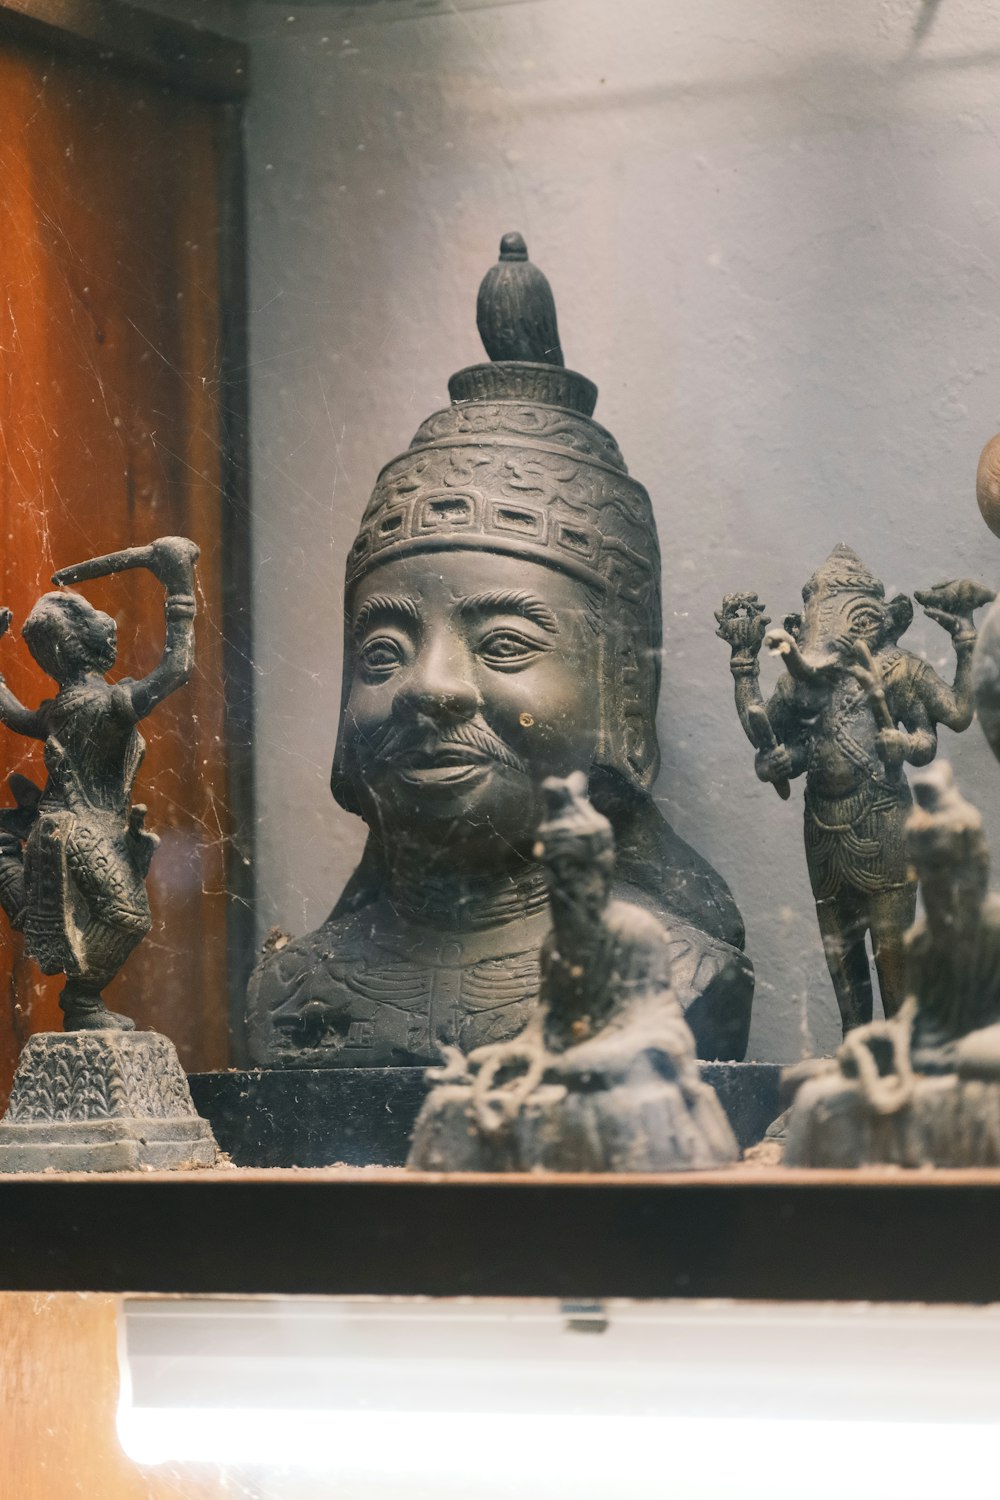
x=385, y=607
x=511, y=602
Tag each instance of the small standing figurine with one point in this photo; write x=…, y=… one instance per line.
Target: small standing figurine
x=74, y=856
x=73, y=861
x=851, y=709
x=604, y=1076
x=922, y=1089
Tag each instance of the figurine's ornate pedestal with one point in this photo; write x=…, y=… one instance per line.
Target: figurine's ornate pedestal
x=102, y=1101
x=947, y=1122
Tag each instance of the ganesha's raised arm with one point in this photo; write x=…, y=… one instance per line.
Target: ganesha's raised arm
x=742, y=623
x=951, y=605
x=171, y=559
x=12, y=711
x=772, y=728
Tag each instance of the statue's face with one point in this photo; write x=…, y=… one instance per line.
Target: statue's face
x=475, y=676
x=832, y=623
x=105, y=642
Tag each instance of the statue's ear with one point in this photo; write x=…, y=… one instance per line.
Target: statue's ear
x=899, y=616
x=793, y=624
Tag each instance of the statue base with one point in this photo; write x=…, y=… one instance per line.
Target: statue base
x=633, y=1127
x=102, y=1101
x=948, y=1121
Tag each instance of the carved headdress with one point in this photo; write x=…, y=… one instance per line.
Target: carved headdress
x=843, y=572
x=516, y=465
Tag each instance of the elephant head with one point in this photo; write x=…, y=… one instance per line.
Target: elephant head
x=844, y=606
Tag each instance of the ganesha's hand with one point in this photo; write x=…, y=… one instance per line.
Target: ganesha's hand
x=870, y=682
x=893, y=746
x=742, y=624
x=773, y=765
x=868, y=675
x=951, y=605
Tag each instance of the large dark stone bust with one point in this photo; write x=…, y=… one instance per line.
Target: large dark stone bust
x=502, y=625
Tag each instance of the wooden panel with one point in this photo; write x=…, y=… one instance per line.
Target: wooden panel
x=58, y=1393
x=117, y=34
x=110, y=435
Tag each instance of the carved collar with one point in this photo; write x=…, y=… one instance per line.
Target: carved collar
x=469, y=905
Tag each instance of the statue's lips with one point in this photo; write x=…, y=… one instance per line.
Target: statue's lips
x=445, y=766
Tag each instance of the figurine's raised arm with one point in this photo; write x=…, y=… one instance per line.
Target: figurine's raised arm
x=770, y=727
x=171, y=559
x=12, y=711
x=951, y=605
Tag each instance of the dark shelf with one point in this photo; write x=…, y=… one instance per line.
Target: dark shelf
x=745, y=1233
x=360, y=1117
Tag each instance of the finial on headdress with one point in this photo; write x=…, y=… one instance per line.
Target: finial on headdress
x=515, y=310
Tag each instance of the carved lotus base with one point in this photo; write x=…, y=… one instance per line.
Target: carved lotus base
x=948, y=1122
x=102, y=1101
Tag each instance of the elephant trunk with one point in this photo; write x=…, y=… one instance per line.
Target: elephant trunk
x=803, y=666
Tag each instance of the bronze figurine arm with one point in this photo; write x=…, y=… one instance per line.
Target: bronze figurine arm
x=951, y=605
x=916, y=741
x=14, y=714
x=921, y=736
x=177, y=662
x=787, y=755
x=742, y=623
x=171, y=559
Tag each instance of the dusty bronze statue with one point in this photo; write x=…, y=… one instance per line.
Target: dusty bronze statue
x=921, y=1089
x=502, y=624
x=604, y=1076
x=74, y=856
x=851, y=709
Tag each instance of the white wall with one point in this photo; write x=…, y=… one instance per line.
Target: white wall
x=773, y=230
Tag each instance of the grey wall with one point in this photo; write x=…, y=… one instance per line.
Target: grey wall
x=773, y=232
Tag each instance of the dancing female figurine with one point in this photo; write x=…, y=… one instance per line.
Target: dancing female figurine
x=74, y=857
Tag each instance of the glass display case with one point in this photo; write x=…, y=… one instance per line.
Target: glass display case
x=571, y=903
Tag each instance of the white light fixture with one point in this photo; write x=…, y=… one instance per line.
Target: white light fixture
x=482, y=1399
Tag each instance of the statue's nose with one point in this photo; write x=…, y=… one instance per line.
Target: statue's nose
x=439, y=683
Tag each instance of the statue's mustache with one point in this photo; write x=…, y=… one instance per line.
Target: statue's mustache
x=399, y=742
